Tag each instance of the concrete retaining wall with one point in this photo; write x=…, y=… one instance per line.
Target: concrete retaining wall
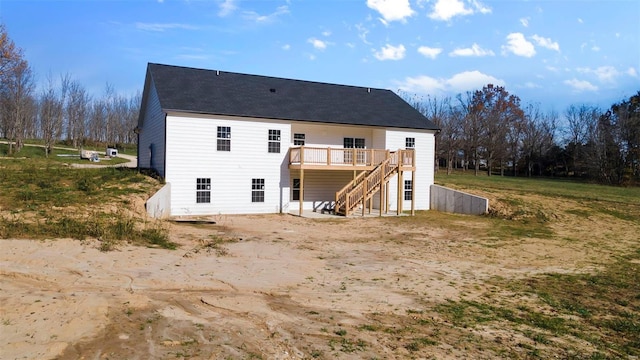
x=454, y=201
x=159, y=205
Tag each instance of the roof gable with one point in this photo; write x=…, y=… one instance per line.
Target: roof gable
x=225, y=93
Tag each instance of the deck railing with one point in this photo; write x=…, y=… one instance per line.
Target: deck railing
x=346, y=157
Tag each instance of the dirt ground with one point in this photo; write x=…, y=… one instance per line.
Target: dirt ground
x=272, y=287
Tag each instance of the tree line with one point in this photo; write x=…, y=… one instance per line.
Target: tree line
x=62, y=111
x=490, y=130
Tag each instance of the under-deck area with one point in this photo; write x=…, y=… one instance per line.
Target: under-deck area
x=372, y=170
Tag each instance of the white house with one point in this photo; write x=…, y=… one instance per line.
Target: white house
x=229, y=143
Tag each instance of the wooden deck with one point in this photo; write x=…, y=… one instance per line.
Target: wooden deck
x=376, y=167
x=315, y=158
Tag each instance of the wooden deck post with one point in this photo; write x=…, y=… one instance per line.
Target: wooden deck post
x=413, y=192
x=364, y=193
x=381, y=200
x=386, y=198
x=399, y=197
x=301, y=191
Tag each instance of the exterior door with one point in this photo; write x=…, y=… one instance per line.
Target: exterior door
x=354, y=143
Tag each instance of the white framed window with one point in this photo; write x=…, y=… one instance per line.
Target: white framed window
x=295, y=190
x=274, y=141
x=257, y=190
x=408, y=189
x=410, y=143
x=203, y=190
x=298, y=139
x=224, y=138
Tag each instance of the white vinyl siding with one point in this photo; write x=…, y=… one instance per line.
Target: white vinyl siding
x=151, y=149
x=191, y=154
x=317, y=135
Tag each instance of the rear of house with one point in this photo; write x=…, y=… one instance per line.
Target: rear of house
x=230, y=143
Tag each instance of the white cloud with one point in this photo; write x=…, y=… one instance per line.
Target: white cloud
x=606, y=74
x=518, y=45
x=362, y=33
x=286, y=47
x=326, y=33
x=317, y=43
x=524, y=22
x=632, y=72
x=392, y=10
x=390, y=52
x=580, y=85
x=429, y=51
x=165, y=26
x=546, y=42
x=458, y=83
x=265, y=19
x=580, y=21
x=422, y=84
x=227, y=7
x=474, y=50
x=472, y=80
x=531, y=85
x=445, y=10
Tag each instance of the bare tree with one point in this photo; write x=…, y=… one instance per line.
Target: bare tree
x=471, y=132
x=51, y=112
x=537, y=137
x=16, y=92
x=76, y=110
x=581, y=124
x=496, y=111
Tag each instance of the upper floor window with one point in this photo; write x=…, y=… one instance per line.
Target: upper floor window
x=224, y=138
x=410, y=143
x=298, y=139
x=274, y=141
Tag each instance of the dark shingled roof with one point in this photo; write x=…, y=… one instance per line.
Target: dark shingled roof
x=225, y=93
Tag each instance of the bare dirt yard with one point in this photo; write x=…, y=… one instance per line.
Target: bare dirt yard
x=285, y=287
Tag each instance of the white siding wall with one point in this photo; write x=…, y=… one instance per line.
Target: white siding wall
x=424, y=147
x=152, y=142
x=192, y=154
x=317, y=135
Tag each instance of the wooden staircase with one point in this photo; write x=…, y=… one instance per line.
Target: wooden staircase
x=365, y=185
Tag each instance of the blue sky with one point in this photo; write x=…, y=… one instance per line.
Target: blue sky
x=553, y=53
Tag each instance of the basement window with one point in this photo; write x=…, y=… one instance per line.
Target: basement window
x=408, y=189
x=203, y=190
x=224, y=138
x=274, y=141
x=257, y=190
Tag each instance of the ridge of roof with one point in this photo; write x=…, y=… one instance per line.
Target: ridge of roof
x=216, y=92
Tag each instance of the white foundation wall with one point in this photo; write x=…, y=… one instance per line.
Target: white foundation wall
x=192, y=153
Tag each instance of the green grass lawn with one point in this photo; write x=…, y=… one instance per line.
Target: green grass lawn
x=58, y=155
x=43, y=198
x=599, y=308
